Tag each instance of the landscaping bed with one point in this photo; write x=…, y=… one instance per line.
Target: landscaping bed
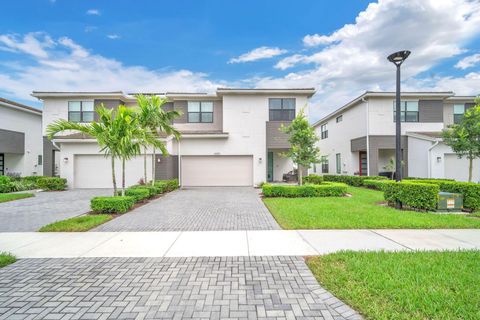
x=324, y=189
x=15, y=184
x=365, y=209
x=5, y=197
x=77, y=224
x=6, y=259
x=404, y=285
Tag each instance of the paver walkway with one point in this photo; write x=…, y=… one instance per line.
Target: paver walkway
x=46, y=207
x=166, y=288
x=198, y=209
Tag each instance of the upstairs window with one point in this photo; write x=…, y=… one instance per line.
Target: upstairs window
x=281, y=109
x=200, y=111
x=408, y=111
x=80, y=111
x=323, y=131
x=458, y=112
x=339, y=118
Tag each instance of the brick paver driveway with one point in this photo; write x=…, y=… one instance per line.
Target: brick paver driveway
x=198, y=209
x=46, y=207
x=165, y=288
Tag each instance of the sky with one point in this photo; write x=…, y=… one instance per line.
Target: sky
x=337, y=47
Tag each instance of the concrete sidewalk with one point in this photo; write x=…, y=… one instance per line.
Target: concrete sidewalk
x=230, y=243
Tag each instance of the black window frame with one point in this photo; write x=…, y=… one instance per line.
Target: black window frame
x=283, y=113
x=338, y=163
x=457, y=117
x=339, y=118
x=325, y=167
x=404, y=112
x=81, y=112
x=200, y=112
x=323, y=133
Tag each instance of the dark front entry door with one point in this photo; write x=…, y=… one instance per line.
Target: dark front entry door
x=363, y=163
x=2, y=164
x=270, y=166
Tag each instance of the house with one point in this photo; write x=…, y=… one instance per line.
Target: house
x=229, y=138
x=359, y=138
x=21, y=151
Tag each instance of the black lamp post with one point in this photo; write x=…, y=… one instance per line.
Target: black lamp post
x=398, y=58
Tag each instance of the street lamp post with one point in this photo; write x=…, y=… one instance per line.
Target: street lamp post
x=398, y=58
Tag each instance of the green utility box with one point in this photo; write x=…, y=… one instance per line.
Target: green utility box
x=450, y=201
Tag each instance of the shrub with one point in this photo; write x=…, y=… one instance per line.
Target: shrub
x=376, y=184
x=424, y=179
x=137, y=193
x=111, y=204
x=5, y=184
x=355, y=181
x=153, y=190
x=52, y=183
x=313, y=178
x=22, y=185
x=423, y=196
x=167, y=185
x=326, y=189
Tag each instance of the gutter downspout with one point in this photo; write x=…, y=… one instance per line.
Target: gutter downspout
x=367, y=135
x=430, y=158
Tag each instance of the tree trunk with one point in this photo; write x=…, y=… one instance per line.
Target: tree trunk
x=145, y=165
x=470, y=168
x=114, y=180
x=123, y=177
x=300, y=178
x=154, y=158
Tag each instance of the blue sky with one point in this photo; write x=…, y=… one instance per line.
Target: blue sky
x=338, y=47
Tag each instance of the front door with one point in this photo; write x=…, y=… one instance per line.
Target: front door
x=2, y=164
x=270, y=166
x=363, y=163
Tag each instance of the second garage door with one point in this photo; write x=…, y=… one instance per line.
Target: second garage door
x=200, y=171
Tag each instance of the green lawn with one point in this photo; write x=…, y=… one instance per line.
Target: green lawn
x=362, y=210
x=4, y=197
x=6, y=259
x=77, y=224
x=404, y=285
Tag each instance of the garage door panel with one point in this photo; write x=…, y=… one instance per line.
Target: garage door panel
x=199, y=171
x=94, y=171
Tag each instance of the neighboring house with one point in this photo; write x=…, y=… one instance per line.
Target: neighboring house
x=21, y=152
x=230, y=138
x=359, y=138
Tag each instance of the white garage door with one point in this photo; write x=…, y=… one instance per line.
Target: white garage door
x=457, y=169
x=198, y=171
x=95, y=171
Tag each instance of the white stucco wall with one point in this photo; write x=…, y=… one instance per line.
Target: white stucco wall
x=353, y=125
x=418, y=157
x=16, y=119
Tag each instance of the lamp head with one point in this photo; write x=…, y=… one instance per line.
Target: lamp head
x=398, y=57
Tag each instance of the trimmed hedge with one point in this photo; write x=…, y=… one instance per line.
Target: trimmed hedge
x=313, y=179
x=138, y=194
x=153, y=190
x=427, y=179
x=377, y=184
x=355, y=181
x=5, y=184
x=167, y=185
x=52, y=183
x=422, y=196
x=469, y=190
x=112, y=204
x=326, y=189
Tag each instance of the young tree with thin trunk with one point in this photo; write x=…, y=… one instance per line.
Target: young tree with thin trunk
x=464, y=137
x=303, y=150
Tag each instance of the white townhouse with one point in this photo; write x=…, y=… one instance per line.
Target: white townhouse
x=229, y=138
x=21, y=151
x=359, y=138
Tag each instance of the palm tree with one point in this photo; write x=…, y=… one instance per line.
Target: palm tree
x=103, y=130
x=154, y=118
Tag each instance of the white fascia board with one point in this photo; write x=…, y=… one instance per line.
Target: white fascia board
x=422, y=137
x=205, y=136
x=35, y=112
x=307, y=91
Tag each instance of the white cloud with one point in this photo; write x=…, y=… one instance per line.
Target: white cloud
x=258, y=54
x=34, y=43
x=353, y=58
x=93, y=12
x=468, y=61
x=64, y=65
x=113, y=36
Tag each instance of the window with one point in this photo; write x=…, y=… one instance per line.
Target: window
x=40, y=160
x=80, y=111
x=339, y=118
x=200, y=111
x=324, y=164
x=338, y=159
x=458, y=112
x=323, y=131
x=281, y=109
x=408, y=111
